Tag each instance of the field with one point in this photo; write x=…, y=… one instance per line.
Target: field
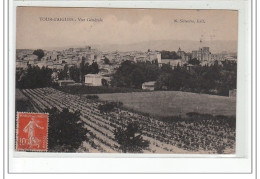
x=195, y=135
x=172, y=103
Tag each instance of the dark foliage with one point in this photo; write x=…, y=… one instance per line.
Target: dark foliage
x=169, y=55
x=23, y=106
x=78, y=73
x=194, y=61
x=132, y=75
x=66, y=131
x=200, y=79
x=213, y=79
x=64, y=74
x=130, y=139
x=39, y=53
x=109, y=106
x=106, y=61
x=34, y=77
x=93, y=69
x=74, y=73
x=104, y=82
x=92, y=97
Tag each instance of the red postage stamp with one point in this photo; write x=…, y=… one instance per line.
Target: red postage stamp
x=32, y=132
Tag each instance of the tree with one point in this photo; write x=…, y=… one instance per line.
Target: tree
x=74, y=73
x=84, y=67
x=130, y=139
x=94, y=69
x=63, y=74
x=194, y=61
x=132, y=75
x=39, y=53
x=104, y=82
x=166, y=68
x=34, y=77
x=66, y=130
x=106, y=61
x=109, y=106
x=169, y=55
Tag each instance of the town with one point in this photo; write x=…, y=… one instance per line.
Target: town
x=175, y=99
x=109, y=62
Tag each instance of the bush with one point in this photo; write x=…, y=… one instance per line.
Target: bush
x=92, y=97
x=66, y=131
x=109, y=107
x=34, y=77
x=39, y=53
x=130, y=139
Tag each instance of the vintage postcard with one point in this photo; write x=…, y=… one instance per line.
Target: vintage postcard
x=115, y=80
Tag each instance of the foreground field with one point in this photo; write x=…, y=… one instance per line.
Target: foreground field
x=195, y=135
x=172, y=103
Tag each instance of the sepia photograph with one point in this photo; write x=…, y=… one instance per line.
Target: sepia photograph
x=126, y=80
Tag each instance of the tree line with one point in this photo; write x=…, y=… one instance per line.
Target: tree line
x=36, y=77
x=132, y=75
x=215, y=79
x=77, y=73
x=169, y=55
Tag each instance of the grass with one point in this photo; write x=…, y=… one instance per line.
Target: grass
x=174, y=103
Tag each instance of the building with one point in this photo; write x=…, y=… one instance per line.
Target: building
x=21, y=64
x=30, y=57
x=171, y=62
x=148, y=85
x=93, y=80
x=181, y=54
x=203, y=54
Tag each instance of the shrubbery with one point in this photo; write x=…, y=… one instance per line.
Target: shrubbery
x=109, y=106
x=215, y=79
x=130, y=139
x=34, y=77
x=92, y=97
x=66, y=131
x=133, y=75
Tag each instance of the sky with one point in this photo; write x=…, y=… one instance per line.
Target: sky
x=120, y=26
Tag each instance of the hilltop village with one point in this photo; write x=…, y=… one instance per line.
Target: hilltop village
x=109, y=62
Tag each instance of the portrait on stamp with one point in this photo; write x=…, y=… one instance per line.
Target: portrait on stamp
x=111, y=80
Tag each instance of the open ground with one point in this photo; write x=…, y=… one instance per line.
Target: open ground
x=172, y=103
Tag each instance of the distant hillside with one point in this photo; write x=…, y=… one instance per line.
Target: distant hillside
x=172, y=45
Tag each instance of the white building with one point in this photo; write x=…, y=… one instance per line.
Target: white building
x=173, y=63
x=21, y=64
x=30, y=57
x=93, y=80
x=148, y=85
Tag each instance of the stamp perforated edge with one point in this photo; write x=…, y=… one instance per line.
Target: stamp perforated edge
x=17, y=129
